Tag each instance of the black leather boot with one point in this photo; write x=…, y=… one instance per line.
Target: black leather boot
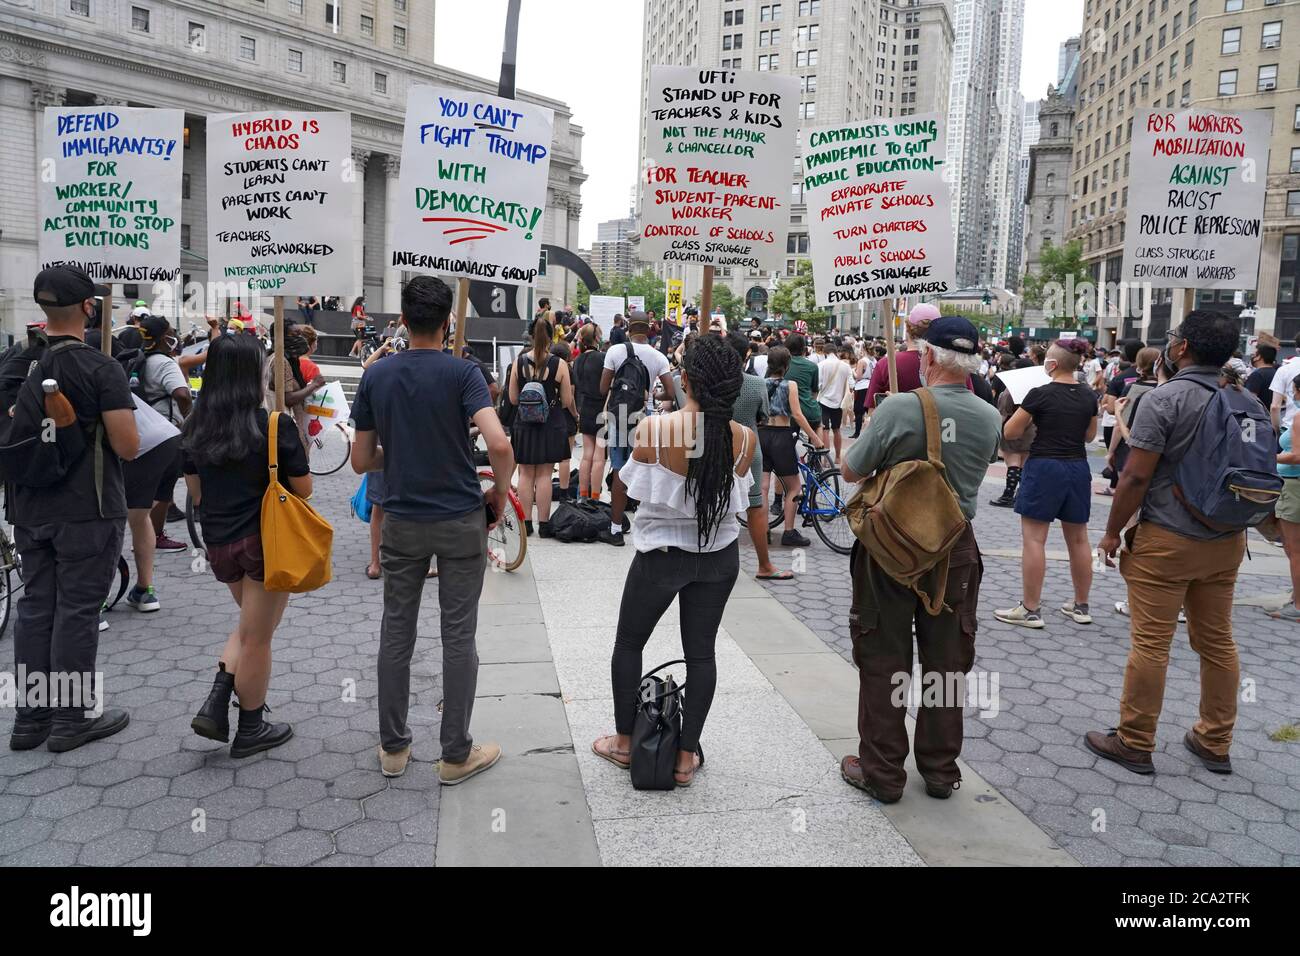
x=213, y=719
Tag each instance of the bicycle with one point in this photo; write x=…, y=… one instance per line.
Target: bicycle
x=328, y=446
x=507, y=543
x=820, y=500
x=10, y=564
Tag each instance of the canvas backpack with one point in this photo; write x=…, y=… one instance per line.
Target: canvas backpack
x=908, y=517
x=1228, y=478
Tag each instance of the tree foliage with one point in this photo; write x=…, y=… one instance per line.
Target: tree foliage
x=795, y=298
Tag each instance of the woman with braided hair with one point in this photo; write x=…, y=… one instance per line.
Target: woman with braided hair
x=690, y=471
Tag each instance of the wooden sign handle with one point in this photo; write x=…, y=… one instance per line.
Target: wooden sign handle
x=462, y=313
x=106, y=323
x=277, y=354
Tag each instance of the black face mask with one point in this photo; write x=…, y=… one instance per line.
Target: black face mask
x=95, y=318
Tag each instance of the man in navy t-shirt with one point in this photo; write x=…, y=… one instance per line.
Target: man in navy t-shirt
x=412, y=413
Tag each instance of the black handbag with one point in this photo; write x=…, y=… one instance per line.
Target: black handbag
x=657, y=731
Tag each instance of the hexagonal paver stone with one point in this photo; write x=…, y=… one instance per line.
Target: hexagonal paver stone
x=61, y=803
x=262, y=825
x=135, y=793
x=21, y=833
x=1250, y=807
x=202, y=782
x=397, y=805
x=41, y=781
x=330, y=814
x=356, y=784
x=368, y=838
x=228, y=853
x=117, y=848
x=1244, y=850
x=264, y=774
x=183, y=840
x=295, y=794
x=406, y=854
x=325, y=766
x=161, y=813
x=298, y=848
x=90, y=824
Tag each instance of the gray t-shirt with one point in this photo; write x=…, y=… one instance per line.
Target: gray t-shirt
x=1165, y=422
x=968, y=431
x=160, y=378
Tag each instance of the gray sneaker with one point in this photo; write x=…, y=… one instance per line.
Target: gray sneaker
x=1020, y=615
x=1078, y=613
x=1288, y=612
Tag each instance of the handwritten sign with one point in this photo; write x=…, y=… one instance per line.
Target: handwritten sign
x=716, y=188
x=635, y=303
x=110, y=191
x=1196, y=198
x=473, y=185
x=279, y=200
x=879, y=215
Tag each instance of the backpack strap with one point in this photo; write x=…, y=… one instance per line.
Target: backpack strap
x=98, y=436
x=631, y=352
x=930, y=413
x=744, y=447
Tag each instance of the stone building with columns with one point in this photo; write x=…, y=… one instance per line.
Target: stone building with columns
x=207, y=57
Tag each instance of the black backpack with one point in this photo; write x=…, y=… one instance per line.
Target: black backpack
x=627, y=395
x=33, y=452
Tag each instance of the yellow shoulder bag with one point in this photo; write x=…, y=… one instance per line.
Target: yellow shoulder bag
x=296, y=541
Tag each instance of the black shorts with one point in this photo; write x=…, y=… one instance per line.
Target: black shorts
x=832, y=417
x=152, y=476
x=778, y=445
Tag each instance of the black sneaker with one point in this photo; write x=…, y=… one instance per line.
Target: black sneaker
x=1003, y=501
x=528, y=529
x=609, y=537
x=941, y=791
x=267, y=736
x=29, y=734
x=544, y=530
x=793, y=539
x=70, y=736
x=213, y=719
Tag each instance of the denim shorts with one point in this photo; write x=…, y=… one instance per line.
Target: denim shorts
x=1055, y=489
x=618, y=457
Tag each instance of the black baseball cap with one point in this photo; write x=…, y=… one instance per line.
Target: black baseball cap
x=65, y=285
x=154, y=328
x=954, y=332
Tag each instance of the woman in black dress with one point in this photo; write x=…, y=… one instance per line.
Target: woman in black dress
x=587, y=371
x=538, y=446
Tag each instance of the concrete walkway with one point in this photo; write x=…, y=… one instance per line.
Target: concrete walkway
x=785, y=711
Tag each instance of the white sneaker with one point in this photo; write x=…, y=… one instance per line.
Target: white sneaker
x=1078, y=613
x=1121, y=607
x=1020, y=615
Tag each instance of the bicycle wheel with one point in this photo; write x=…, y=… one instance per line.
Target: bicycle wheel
x=330, y=449
x=507, y=543
x=124, y=582
x=6, y=600
x=827, y=505
x=194, y=528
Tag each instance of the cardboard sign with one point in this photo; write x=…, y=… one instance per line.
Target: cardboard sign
x=719, y=145
x=1019, y=381
x=473, y=185
x=879, y=211
x=603, y=309
x=280, y=189
x=1196, y=198
x=109, y=191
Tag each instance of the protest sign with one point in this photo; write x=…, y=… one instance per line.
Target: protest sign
x=1020, y=381
x=880, y=224
x=604, y=308
x=716, y=187
x=673, y=302
x=636, y=303
x=109, y=191
x=472, y=189
x=1196, y=198
x=280, y=201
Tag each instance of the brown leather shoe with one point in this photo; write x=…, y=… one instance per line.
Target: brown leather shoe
x=851, y=771
x=1213, y=762
x=1112, y=748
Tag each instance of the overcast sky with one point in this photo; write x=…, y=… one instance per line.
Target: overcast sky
x=588, y=54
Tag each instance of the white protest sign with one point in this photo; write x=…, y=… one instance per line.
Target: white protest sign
x=880, y=224
x=109, y=191
x=1196, y=198
x=280, y=201
x=603, y=308
x=636, y=303
x=719, y=146
x=473, y=185
x=1019, y=381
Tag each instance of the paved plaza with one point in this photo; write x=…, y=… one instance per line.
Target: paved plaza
x=156, y=794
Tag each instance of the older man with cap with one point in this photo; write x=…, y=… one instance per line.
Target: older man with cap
x=884, y=611
x=69, y=528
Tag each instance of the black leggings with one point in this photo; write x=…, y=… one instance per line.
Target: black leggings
x=859, y=409
x=701, y=583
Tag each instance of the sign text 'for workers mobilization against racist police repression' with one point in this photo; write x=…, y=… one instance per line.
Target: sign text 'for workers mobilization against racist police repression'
x=473, y=185
x=109, y=186
x=879, y=211
x=280, y=201
x=716, y=186
x=1196, y=198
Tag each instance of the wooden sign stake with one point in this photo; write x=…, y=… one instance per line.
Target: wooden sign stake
x=706, y=300
x=462, y=313
x=890, y=349
x=277, y=354
x=106, y=323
